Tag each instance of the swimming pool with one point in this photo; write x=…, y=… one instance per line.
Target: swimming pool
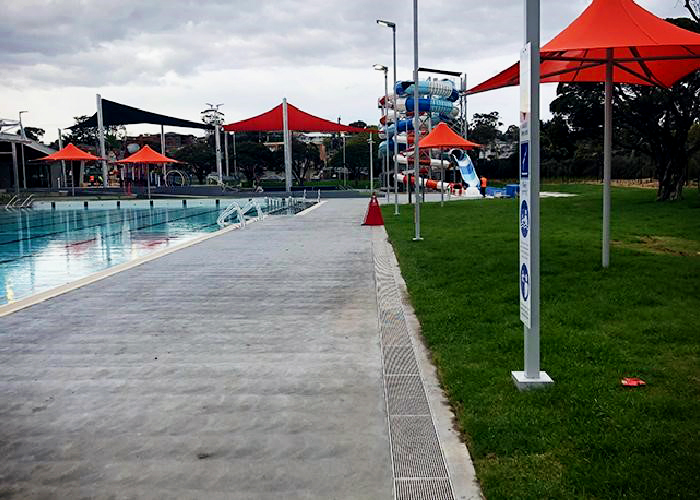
x=43, y=249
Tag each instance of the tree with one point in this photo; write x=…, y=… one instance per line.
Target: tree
x=34, y=133
x=356, y=155
x=358, y=124
x=200, y=158
x=484, y=129
x=650, y=120
x=305, y=157
x=253, y=158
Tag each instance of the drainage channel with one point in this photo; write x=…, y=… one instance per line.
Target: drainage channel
x=419, y=467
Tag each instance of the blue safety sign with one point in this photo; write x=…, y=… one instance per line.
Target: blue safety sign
x=524, y=219
x=524, y=159
x=524, y=282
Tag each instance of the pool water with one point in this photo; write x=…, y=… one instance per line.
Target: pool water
x=43, y=249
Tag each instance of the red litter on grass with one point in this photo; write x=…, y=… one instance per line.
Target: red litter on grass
x=632, y=382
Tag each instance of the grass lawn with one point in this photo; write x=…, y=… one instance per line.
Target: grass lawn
x=586, y=436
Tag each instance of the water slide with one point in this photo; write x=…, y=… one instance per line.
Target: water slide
x=466, y=169
x=442, y=88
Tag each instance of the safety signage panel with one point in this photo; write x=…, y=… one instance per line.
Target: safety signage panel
x=524, y=230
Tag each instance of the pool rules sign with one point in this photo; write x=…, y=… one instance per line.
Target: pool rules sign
x=525, y=191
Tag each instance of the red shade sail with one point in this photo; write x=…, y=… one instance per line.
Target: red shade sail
x=147, y=155
x=70, y=153
x=296, y=118
x=644, y=49
x=442, y=136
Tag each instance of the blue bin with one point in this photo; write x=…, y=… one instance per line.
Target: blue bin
x=512, y=190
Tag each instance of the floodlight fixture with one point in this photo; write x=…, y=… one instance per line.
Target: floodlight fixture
x=380, y=67
x=388, y=24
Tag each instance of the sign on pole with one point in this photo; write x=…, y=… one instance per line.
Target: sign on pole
x=525, y=264
x=529, y=205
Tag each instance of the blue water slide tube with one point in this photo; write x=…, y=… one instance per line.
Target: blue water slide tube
x=381, y=150
x=407, y=124
x=430, y=105
x=466, y=167
x=443, y=88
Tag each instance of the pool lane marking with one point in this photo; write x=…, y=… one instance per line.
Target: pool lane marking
x=105, y=273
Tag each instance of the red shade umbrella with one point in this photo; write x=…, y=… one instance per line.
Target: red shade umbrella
x=443, y=136
x=71, y=153
x=440, y=137
x=612, y=41
x=147, y=155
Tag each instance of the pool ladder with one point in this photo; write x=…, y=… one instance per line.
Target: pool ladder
x=17, y=202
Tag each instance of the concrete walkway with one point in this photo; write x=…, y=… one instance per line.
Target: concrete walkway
x=247, y=366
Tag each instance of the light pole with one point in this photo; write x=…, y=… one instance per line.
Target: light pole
x=391, y=25
x=371, y=168
x=21, y=128
x=385, y=176
x=212, y=116
x=416, y=121
x=345, y=168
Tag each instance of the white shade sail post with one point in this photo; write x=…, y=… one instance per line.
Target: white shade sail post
x=63, y=162
x=385, y=171
x=287, y=156
x=148, y=181
x=217, y=142
x=101, y=132
x=442, y=179
x=15, y=166
x=162, y=148
x=416, y=123
x=226, y=151
x=235, y=166
x=607, y=157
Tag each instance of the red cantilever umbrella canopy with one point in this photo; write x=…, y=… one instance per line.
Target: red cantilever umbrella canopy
x=442, y=136
x=643, y=49
x=70, y=153
x=147, y=155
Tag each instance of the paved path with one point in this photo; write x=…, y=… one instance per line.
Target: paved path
x=247, y=366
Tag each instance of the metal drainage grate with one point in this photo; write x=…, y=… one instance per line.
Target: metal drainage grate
x=419, y=467
x=406, y=395
x=423, y=489
x=400, y=360
x=416, y=448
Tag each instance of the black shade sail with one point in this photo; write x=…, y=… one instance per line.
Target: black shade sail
x=114, y=113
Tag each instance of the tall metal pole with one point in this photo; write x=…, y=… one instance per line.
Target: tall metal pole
x=345, y=168
x=15, y=169
x=464, y=107
x=217, y=142
x=63, y=162
x=162, y=148
x=529, y=226
x=385, y=176
x=607, y=157
x=396, y=124
x=24, y=170
x=285, y=138
x=101, y=131
x=371, y=169
x=416, y=121
x=235, y=166
x=442, y=179
x=226, y=151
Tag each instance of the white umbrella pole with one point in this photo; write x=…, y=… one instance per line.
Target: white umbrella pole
x=148, y=181
x=607, y=158
x=442, y=179
x=287, y=159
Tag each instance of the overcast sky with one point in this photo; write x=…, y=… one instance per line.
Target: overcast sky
x=173, y=56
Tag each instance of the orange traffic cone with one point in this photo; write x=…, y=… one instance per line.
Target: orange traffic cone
x=373, y=217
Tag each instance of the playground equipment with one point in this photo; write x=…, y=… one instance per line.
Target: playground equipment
x=439, y=102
